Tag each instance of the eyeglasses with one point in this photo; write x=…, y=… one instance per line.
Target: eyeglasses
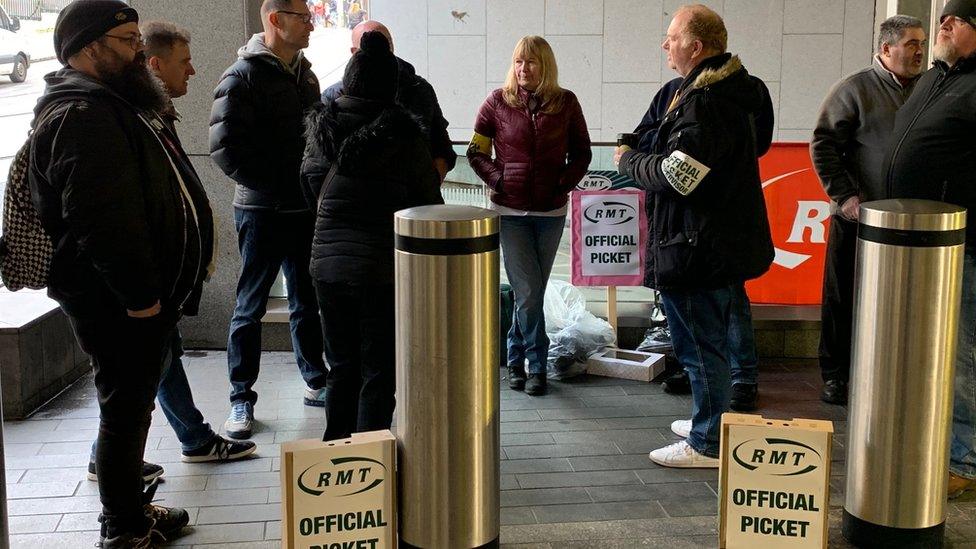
x=133, y=40
x=304, y=17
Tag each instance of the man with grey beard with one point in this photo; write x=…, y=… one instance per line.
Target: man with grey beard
x=131, y=228
x=932, y=157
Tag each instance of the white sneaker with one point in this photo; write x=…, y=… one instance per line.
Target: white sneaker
x=680, y=454
x=682, y=427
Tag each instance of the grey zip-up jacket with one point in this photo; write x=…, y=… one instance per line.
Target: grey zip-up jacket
x=852, y=133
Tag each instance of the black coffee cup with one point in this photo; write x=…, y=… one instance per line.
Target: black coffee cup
x=628, y=139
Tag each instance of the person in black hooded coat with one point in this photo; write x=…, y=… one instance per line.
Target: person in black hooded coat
x=366, y=157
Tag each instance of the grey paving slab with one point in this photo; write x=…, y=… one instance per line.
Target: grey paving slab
x=59, y=540
x=564, y=480
x=540, y=465
x=609, y=529
x=222, y=533
x=243, y=480
x=561, y=450
x=35, y=524
x=42, y=490
x=593, y=413
x=239, y=513
x=526, y=439
x=549, y=426
x=272, y=530
x=213, y=498
x=650, y=491
x=54, y=475
x=20, y=449
x=516, y=515
x=544, y=496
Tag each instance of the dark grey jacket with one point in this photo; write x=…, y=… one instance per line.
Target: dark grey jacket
x=852, y=133
x=256, y=131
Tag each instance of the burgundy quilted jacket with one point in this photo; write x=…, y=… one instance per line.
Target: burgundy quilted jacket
x=539, y=157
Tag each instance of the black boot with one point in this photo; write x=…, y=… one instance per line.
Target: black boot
x=516, y=377
x=834, y=392
x=536, y=385
x=744, y=397
x=678, y=384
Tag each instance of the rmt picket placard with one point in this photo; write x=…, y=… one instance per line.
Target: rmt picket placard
x=609, y=238
x=774, y=481
x=339, y=494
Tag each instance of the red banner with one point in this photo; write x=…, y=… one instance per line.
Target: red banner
x=799, y=216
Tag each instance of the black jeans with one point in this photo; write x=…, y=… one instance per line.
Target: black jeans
x=127, y=355
x=837, y=304
x=360, y=345
x=269, y=241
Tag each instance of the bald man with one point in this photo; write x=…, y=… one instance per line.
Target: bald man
x=416, y=95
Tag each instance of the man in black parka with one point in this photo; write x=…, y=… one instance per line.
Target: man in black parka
x=709, y=230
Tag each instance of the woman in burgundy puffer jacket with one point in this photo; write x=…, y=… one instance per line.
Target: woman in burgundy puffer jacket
x=542, y=150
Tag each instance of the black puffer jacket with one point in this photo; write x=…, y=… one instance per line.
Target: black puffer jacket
x=127, y=228
x=932, y=154
x=383, y=166
x=417, y=96
x=256, y=127
x=708, y=217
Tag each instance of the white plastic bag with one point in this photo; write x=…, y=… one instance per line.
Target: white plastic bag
x=574, y=333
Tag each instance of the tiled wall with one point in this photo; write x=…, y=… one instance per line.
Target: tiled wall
x=609, y=51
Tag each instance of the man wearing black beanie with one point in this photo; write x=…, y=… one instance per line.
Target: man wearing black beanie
x=127, y=218
x=931, y=157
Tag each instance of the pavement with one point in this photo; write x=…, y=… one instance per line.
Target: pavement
x=575, y=472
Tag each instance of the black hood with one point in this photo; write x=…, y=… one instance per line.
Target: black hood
x=355, y=131
x=724, y=75
x=68, y=84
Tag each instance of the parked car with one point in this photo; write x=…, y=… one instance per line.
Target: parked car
x=14, y=54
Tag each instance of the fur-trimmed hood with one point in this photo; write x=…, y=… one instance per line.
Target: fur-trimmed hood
x=353, y=131
x=724, y=74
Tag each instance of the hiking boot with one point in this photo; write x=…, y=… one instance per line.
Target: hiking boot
x=240, y=421
x=744, y=397
x=150, y=471
x=834, y=392
x=516, y=377
x=681, y=454
x=536, y=385
x=678, y=384
x=149, y=540
x=220, y=449
x=166, y=521
x=315, y=397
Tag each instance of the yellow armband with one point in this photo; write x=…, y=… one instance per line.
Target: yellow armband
x=480, y=144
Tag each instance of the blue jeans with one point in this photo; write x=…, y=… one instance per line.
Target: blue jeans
x=529, y=245
x=269, y=242
x=742, y=340
x=176, y=400
x=962, y=451
x=700, y=321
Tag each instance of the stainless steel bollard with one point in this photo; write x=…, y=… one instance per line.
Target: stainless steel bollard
x=906, y=311
x=447, y=376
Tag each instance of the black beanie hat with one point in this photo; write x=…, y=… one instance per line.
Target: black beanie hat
x=963, y=9
x=372, y=71
x=84, y=21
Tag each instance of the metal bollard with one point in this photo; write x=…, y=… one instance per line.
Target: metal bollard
x=447, y=410
x=906, y=312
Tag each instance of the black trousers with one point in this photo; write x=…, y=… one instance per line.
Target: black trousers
x=360, y=346
x=128, y=356
x=837, y=307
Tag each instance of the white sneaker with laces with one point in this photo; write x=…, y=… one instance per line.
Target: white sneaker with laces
x=680, y=454
x=681, y=427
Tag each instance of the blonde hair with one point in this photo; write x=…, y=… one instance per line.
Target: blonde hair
x=549, y=93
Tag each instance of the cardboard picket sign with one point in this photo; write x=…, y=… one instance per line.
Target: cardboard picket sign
x=609, y=238
x=774, y=482
x=339, y=494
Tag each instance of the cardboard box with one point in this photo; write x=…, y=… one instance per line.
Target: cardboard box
x=339, y=492
x=626, y=364
x=774, y=482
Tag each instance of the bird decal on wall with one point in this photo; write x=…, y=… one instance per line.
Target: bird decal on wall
x=459, y=15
